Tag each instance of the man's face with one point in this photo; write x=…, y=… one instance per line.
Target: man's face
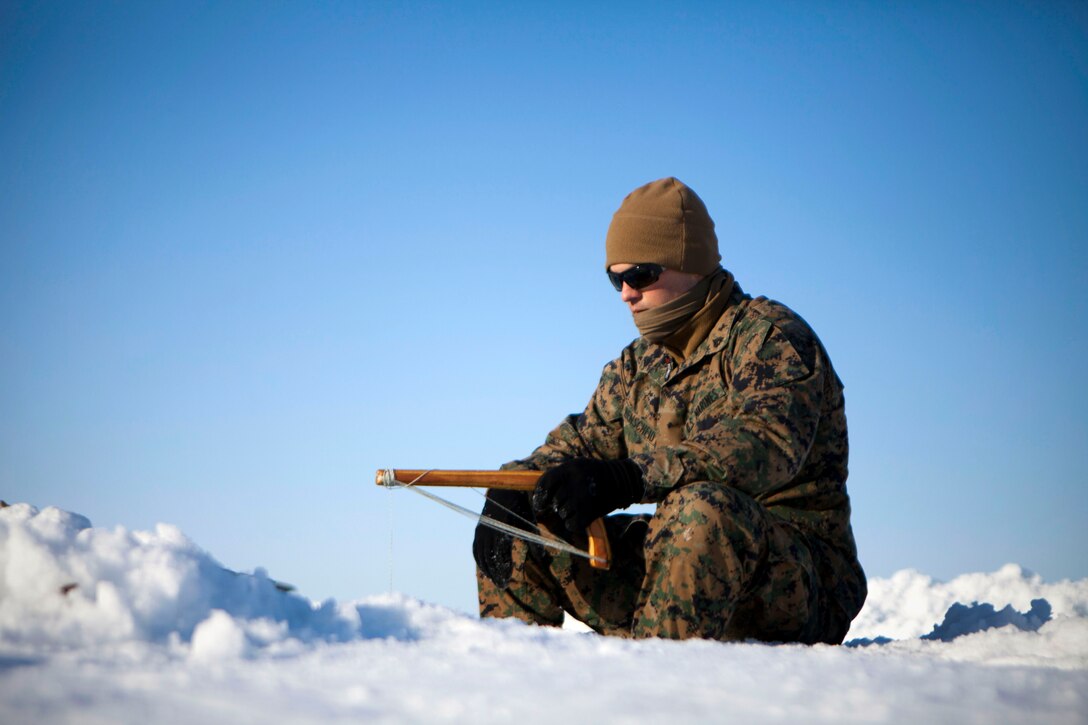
x=670, y=285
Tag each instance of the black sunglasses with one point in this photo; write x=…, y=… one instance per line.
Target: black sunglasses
x=639, y=276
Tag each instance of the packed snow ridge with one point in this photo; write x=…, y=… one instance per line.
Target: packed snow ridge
x=82, y=610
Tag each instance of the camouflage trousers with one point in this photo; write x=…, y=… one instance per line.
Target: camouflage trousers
x=710, y=563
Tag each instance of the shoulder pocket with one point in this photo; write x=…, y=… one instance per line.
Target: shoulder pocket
x=773, y=363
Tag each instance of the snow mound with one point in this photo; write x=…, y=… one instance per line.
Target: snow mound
x=910, y=604
x=64, y=584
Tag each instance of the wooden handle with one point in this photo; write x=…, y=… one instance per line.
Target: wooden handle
x=599, y=550
x=505, y=480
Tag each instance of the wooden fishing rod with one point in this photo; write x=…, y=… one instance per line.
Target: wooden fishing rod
x=600, y=553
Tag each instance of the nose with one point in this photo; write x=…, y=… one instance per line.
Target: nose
x=629, y=294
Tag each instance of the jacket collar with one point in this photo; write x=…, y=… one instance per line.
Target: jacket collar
x=719, y=335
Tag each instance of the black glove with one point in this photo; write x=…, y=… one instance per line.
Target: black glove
x=581, y=491
x=490, y=548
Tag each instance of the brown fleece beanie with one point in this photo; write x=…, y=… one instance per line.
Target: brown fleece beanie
x=663, y=222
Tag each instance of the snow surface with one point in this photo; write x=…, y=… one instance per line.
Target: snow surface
x=114, y=626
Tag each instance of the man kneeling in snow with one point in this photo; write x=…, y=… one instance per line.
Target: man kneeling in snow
x=726, y=413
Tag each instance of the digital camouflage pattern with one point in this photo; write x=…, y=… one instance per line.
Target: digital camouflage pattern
x=743, y=446
x=711, y=563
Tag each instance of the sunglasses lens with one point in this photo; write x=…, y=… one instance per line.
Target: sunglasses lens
x=642, y=276
x=639, y=276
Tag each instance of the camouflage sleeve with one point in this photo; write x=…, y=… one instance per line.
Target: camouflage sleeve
x=597, y=432
x=756, y=435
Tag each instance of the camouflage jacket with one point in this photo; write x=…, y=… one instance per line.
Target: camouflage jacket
x=756, y=406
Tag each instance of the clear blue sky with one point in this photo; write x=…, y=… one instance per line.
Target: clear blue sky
x=251, y=252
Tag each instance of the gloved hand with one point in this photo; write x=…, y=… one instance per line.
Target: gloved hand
x=490, y=548
x=580, y=491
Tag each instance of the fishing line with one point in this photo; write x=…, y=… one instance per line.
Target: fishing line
x=531, y=524
x=391, y=529
x=502, y=526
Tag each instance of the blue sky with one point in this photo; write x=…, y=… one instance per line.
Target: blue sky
x=251, y=252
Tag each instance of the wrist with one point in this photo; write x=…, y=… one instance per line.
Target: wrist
x=628, y=477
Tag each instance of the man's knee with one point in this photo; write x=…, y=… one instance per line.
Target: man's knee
x=703, y=550
x=720, y=566
x=706, y=522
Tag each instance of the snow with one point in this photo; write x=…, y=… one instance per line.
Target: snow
x=114, y=625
